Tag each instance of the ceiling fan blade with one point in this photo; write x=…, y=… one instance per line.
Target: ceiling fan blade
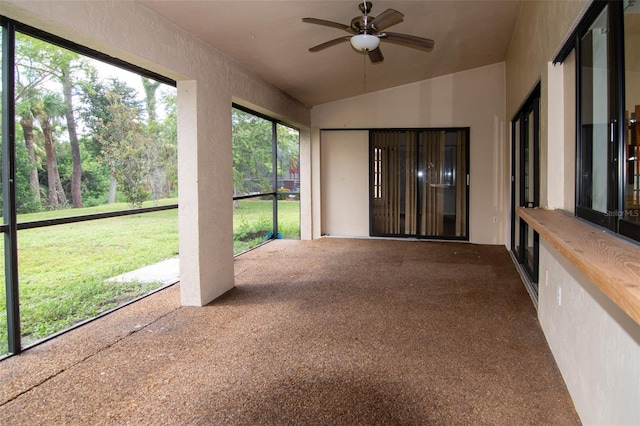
x=376, y=55
x=329, y=43
x=386, y=19
x=329, y=24
x=408, y=40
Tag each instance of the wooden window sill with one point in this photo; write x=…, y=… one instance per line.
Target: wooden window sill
x=610, y=262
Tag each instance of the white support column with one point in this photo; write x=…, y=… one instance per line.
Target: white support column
x=315, y=183
x=205, y=194
x=306, y=204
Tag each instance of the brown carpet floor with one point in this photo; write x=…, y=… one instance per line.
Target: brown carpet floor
x=330, y=331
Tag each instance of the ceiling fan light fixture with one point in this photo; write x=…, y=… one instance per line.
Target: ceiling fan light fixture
x=365, y=42
x=368, y=31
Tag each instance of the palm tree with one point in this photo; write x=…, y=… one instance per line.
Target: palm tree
x=39, y=62
x=51, y=108
x=26, y=112
x=66, y=79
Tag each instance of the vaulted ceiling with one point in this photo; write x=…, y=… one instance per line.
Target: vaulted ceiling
x=270, y=39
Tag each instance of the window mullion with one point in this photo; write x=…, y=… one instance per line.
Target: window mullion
x=9, y=188
x=617, y=189
x=274, y=156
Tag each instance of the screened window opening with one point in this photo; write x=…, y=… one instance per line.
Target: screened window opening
x=89, y=177
x=266, y=180
x=419, y=183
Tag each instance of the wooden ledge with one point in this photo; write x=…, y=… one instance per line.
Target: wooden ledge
x=611, y=263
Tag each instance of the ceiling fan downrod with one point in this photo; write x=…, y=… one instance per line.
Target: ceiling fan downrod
x=365, y=7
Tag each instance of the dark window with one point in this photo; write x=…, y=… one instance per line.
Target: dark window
x=608, y=104
x=419, y=183
x=596, y=124
x=525, y=190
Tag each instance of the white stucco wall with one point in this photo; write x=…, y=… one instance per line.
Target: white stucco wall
x=474, y=98
x=595, y=344
x=208, y=82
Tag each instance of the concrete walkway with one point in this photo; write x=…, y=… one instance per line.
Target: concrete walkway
x=166, y=271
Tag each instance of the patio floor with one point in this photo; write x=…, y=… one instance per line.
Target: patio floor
x=330, y=331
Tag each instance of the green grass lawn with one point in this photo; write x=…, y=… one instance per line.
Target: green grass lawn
x=63, y=268
x=253, y=220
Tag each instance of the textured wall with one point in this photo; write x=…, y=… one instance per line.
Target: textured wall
x=344, y=174
x=474, y=99
x=542, y=28
x=208, y=81
x=596, y=345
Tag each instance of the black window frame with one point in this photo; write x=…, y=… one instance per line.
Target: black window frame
x=274, y=158
x=520, y=127
x=10, y=225
x=613, y=218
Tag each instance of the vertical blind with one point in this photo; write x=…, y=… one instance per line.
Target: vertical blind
x=419, y=183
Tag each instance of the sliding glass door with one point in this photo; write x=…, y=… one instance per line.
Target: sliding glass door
x=419, y=183
x=525, y=189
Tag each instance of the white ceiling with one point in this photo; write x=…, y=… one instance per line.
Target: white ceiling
x=270, y=39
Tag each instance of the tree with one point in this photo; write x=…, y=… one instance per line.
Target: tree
x=158, y=154
x=169, y=136
x=44, y=69
x=252, y=153
x=97, y=97
x=25, y=200
x=26, y=108
x=66, y=79
x=126, y=148
x=96, y=177
x=30, y=76
x=288, y=153
x=43, y=61
x=51, y=108
x=150, y=88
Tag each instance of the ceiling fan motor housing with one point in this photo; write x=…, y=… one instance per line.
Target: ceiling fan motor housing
x=359, y=23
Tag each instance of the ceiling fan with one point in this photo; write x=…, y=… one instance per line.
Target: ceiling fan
x=367, y=32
